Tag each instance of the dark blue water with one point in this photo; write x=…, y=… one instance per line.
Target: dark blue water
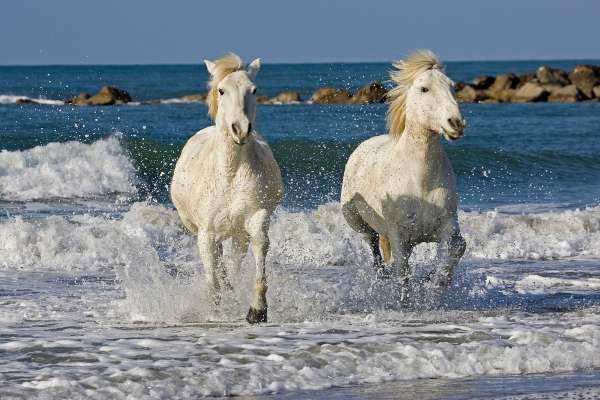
x=512, y=153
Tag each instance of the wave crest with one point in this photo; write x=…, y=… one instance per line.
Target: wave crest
x=64, y=170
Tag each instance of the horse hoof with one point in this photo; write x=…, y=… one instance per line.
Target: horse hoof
x=256, y=316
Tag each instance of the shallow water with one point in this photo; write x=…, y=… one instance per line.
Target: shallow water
x=102, y=293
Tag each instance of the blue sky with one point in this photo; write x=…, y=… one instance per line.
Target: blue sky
x=186, y=31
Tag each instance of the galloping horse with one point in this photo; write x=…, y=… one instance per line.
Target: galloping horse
x=227, y=183
x=399, y=189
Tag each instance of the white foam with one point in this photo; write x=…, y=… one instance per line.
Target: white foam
x=12, y=99
x=534, y=283
x=309, y=239
x=180, y=100
x=547, y=235
x=244, y=361
x=328, y=322
x=85, y=243
x=70, y=169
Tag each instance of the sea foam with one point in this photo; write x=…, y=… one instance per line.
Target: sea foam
x=157, y=263
x=316, y=238
x=63, y=170
x=13, y=99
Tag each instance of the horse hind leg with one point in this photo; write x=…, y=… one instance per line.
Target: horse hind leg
x=372, y=238
x=386, y=249
x=221, y=269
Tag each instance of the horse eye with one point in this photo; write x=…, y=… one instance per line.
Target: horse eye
x=424, y=90
x=221, y=92
x=253, y=90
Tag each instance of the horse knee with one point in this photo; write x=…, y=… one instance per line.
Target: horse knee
x=257, y=225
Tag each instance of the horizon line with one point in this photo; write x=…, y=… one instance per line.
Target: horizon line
x=292, y=63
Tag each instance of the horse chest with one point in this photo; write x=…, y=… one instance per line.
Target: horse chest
x=231, y=204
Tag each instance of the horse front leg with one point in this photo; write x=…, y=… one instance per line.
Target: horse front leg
x=211, y=253
x=257, y=227
x=401, y=251
x=239, y=248
x=455, y=245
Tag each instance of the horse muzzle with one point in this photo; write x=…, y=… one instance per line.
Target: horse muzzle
x=455, y=130
x=240, y=136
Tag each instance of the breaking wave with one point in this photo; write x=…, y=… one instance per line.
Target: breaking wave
x=63, y=170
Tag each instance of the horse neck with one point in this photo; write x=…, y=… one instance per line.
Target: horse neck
x=229, y=155
x=424, y=147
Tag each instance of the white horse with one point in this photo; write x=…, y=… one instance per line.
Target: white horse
x=399, y=189
x=227, y=183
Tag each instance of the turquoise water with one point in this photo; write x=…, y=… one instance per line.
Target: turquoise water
x=102, y=294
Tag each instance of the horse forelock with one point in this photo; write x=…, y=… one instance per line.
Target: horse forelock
x=222, y=67
x=404, y=74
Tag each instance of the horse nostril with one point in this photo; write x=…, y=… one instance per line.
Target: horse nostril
x=454, y=123
x=234, y=128
x=249, y=128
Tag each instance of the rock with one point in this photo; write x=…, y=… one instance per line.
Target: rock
x=585, y=77
x=503, y=87
x=80, y=100
x=524, y=78
x=287, y=97
x=25, y=100
x=374, y=92
x=468, y=94
x=530, y=92
x=483, y=82
x=328, y=95
x=262, y=99
x=109, y=95
x=503, y=82
x=564, y=94
x=596, y=91
x=547, y=75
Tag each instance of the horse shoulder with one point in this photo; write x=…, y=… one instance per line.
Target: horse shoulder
x=189, y=171
x=365, y=166
x=267, y=183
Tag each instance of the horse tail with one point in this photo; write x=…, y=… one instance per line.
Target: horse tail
x=386, y=251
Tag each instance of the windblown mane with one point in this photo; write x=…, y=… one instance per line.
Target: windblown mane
x=406, y=71
x=223, y=67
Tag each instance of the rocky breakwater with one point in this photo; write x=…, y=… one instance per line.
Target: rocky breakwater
x=546, y=84
x=107, y=95
x=373, y=92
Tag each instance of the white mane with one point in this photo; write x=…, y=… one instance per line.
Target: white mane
x=406, y=72
x=222, y=67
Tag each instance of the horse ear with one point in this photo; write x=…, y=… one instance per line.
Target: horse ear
x=210, y=66
x=253, y=68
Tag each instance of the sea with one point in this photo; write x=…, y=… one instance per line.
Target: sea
x=102, y=293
